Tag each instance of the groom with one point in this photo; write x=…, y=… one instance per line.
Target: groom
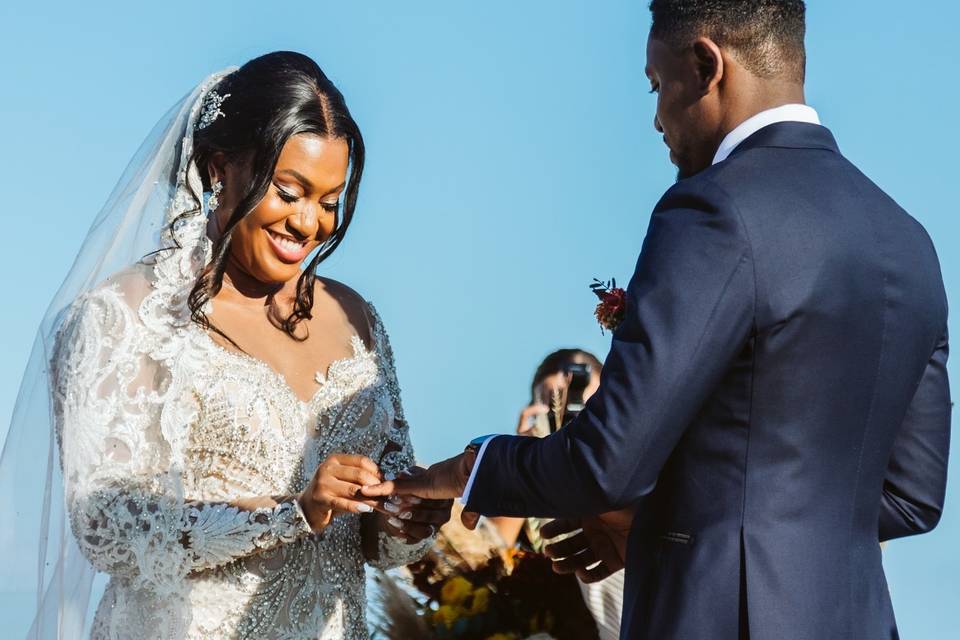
x=775, y=402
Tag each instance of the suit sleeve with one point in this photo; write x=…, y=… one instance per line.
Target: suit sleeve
x=916, y=479
x=690, y=309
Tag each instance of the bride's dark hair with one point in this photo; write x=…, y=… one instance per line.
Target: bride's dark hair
x=272, y=98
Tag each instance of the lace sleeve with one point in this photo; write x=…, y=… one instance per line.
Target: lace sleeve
x=115, y=405
x=397, y=456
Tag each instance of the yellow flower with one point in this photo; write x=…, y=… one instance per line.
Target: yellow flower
x=481, y=601
x=446, y=615
x=456, y=590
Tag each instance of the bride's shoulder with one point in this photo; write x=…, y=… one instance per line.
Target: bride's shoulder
x=106, y=309
x=338, y=290
x=111, y=304
x=358, y=311
x=128, y=286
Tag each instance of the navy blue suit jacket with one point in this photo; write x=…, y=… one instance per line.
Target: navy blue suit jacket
x=775, y=404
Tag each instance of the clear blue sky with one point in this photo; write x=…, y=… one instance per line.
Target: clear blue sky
x=511, y=159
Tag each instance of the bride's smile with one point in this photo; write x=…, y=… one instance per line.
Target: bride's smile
x=298, y=212
x=288, y=249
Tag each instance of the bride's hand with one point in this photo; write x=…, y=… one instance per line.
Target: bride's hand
x=411, y=518
x=335, y=488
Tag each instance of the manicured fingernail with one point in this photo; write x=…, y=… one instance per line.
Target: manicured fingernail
x=406, y=515
x=395, y=523
x=364, y=508
x=395, y=499
x=392, y=508
x=413, y=499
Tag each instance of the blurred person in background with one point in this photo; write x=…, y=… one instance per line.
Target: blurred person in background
x=575, y=374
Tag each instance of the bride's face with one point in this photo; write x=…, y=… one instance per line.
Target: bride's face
x=296, y=215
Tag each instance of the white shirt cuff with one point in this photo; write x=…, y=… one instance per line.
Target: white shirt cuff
x=473, y=472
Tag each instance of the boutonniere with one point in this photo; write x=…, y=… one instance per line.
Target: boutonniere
x=612, y=306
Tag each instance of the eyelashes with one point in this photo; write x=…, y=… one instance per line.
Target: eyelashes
x=290, y=198
x=286, y=196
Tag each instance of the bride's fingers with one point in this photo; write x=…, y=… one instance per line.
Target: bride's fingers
x=355, y=475
x=395, y=527
x=425, y=516
x=351, y=493
x=351, y=506
x=416, y=510
x=413, y=531
x=360, y=462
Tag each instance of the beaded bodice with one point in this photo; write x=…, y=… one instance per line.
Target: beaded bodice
x=162, y=430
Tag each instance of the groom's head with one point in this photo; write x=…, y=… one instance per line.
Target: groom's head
x=715, y=63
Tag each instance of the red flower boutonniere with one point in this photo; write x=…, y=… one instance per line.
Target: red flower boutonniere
x=612, y=306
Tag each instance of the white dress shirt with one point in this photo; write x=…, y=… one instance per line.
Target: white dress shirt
x=786, y=113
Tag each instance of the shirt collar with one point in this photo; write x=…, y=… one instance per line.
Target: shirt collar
x=786, y=113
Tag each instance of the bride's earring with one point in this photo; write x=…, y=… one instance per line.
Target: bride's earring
x=214, y=201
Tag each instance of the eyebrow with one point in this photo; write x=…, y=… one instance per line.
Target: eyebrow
x=299, y=176
x=302, y=178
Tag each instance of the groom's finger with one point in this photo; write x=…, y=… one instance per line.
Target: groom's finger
x=380, y=490
x=567, y=547
x=606, y=551
x=418, y=485
x=415, y=485
x=559, y=527
x=576, y=562
x=594, y=574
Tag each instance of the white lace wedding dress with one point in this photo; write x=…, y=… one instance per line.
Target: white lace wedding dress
x=160, y=429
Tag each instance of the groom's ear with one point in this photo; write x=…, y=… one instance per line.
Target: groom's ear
x=709, y=63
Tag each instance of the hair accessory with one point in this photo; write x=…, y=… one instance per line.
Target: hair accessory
x=214, y=201
x=210, y=110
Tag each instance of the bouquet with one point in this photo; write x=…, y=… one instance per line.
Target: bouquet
x=510, y=594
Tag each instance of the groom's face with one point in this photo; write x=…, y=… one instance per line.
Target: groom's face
x=686, y=116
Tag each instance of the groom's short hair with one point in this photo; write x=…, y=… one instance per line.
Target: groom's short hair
x=766, y=35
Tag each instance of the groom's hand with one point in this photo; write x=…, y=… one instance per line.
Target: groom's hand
x=598, y=548
x=442, y=481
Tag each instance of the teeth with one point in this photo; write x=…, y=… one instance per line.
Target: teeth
x=287, y=243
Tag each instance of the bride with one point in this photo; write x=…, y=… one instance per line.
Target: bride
x=217, y=406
